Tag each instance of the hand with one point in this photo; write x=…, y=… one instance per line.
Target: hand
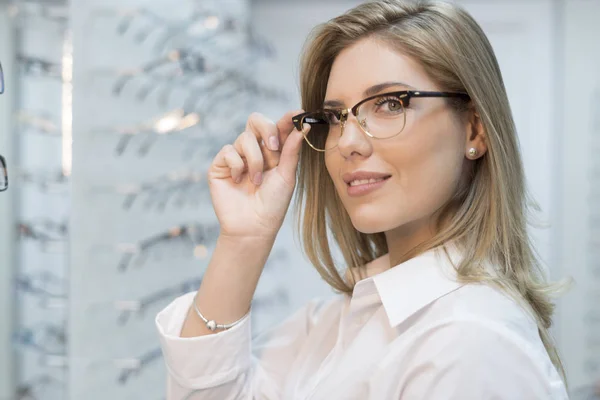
x=252, y=180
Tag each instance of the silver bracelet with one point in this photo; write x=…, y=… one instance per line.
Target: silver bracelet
x=212, y=325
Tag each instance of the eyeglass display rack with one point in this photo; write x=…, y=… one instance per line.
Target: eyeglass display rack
x=39, y=182
x=121, y=107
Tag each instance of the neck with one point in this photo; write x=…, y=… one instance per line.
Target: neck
x=405, y=238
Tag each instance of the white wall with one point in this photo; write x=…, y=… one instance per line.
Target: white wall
x=578, y=153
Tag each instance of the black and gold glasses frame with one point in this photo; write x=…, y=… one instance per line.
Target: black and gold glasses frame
x=316, y=117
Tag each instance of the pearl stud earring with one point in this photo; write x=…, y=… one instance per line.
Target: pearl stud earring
x=472, y=152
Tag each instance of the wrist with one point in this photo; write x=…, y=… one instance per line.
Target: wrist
x=250, y=242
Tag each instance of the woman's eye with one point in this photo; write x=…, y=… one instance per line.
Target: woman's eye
x=392, y=105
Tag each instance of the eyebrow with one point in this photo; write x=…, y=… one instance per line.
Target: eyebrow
x=373, y=90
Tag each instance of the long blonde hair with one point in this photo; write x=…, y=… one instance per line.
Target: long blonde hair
x=487, y=217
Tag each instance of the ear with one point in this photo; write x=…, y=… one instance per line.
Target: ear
x=475, y=137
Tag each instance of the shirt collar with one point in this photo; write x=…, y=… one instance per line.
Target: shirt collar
x=411, y=285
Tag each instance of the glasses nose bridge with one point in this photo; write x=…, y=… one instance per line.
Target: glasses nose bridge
x=355, y=141
x=344, y=115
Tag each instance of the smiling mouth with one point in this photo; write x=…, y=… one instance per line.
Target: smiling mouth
x=358, y=182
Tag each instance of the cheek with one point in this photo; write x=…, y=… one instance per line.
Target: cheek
x=330, y=166
x=429, y=169
x=333, y=164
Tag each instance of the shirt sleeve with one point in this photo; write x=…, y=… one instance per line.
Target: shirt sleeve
x=229, y=365
x=471, y=360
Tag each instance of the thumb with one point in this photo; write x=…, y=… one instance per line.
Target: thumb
x=290, y=154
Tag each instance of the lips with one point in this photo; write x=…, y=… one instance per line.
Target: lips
x=358, y=182
x=363, y=177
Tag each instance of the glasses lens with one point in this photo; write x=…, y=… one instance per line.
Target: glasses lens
x=324, y=125
x=3, y=175
x=383, y=116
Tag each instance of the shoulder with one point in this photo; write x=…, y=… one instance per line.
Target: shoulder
x=485, y=315
x=485, y=305
x=481, y=341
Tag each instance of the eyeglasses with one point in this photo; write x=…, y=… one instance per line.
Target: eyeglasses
x=51, y=290
x=50, y=235
x=53, y=182
x=41, y=387
x=187, y=239
x=123, y=311
x=381, y=116
x=177, y=188
x=3, y=173
x=132, y=367
x=35, y=66
x=37, y=122
x=44, y=338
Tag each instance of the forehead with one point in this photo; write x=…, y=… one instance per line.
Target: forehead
x=371, y=62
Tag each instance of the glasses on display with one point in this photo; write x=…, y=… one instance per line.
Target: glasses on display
x=48, y=341
x=50, y=235
x=381, y=116
x=37, y=122
x=49, y=182
x=35, y=66
x=35, y=11
x=40, y=387
x=203, y=24
x=50, y=289
x=179, y=188
x=44, y=338
x=184, y=240
x=132, y=367
x=185, y=61
x=127, y=311
x=3, y=175
x=168, y=123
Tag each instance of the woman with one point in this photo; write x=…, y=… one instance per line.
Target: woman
x=409, y=157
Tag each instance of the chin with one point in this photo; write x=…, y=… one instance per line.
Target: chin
x=372, y=220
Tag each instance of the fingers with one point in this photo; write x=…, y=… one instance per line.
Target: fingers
x=265, y=131
x=247, y=147
x=285, y=126
x=235, y=163
x=290, y=154
x=228, y=163
x=262, y=146
x=272, y=134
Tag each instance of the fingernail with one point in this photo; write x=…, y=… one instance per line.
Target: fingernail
x=274, y=143
x=239, y=179
x=258, y=178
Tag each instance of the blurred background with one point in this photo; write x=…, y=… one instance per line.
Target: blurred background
x=113, y=111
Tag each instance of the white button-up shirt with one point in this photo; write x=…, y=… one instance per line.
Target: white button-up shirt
x=408, y=332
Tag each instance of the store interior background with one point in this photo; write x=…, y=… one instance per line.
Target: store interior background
x=111, y=117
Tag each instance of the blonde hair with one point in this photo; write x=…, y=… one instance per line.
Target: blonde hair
x=487, y=217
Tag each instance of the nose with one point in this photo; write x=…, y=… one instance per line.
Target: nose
x=353, y=140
